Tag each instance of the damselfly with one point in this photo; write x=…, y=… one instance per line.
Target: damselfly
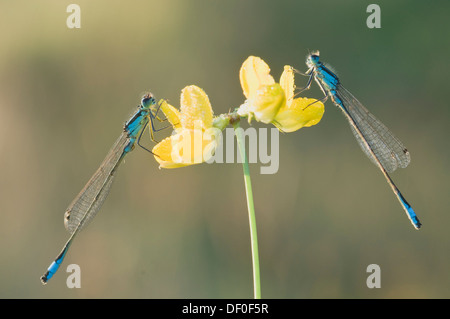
x=377, y=142
x=88, y=202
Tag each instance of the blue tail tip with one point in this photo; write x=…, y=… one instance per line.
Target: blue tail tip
x=417, y=224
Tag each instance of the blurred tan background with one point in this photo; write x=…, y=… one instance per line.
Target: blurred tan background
x=322, y=219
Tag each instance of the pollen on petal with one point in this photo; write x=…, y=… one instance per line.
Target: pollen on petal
x=195, y=108
x=287, y=83
x=267, y=102
x=253, y=74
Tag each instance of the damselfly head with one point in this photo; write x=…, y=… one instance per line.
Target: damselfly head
x=312, y=59
x=148, y=100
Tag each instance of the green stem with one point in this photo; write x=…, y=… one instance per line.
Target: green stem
x=251, y=211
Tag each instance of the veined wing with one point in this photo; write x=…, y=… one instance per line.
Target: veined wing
x=389, y=151
x=88, y=202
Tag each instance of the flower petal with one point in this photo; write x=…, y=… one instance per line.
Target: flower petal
x=254, y=73
x=163, y=154
x=186, y=147
x=303, y=112
x=287, y=83
x=171, y=113
x=195, y=108
x=267, y=102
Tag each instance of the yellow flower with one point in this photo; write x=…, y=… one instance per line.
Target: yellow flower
x=195, y=138
x=299, y=112
x=271, y=102
x=264, y=96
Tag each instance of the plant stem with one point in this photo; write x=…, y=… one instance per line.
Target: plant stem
x=251, y=210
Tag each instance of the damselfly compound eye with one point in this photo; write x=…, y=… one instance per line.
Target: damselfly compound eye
x=147, y=100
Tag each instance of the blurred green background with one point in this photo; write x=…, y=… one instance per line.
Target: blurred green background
x=322, y=219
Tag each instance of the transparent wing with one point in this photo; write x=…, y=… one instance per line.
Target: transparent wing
x=389, y=151
x=88, y=202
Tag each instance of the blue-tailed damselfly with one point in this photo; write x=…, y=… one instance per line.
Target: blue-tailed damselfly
x=88, y=202
x=374, y=138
